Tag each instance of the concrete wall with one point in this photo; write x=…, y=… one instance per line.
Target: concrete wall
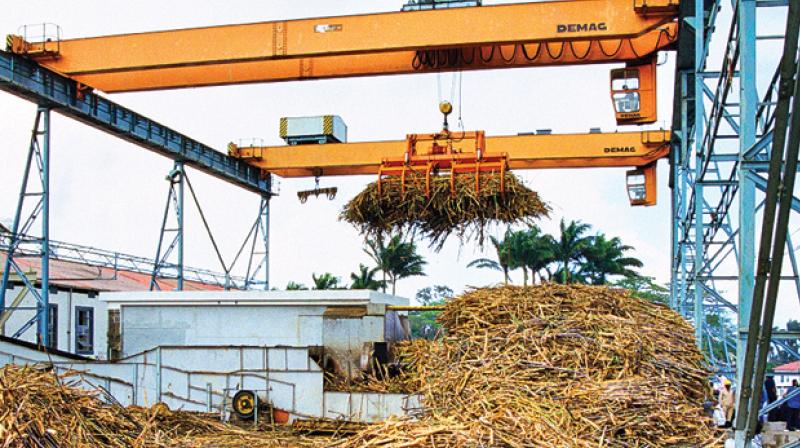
x=342, y=321
x=197, y=379
x=67, y=301
x=369, y=406
x=145, y=327
x=205, y=379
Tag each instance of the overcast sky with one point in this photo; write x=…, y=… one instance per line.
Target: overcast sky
x=110, y=194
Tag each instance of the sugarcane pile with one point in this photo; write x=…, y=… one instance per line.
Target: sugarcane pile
x=463, y=209
x=41, y=409
x=554, y=366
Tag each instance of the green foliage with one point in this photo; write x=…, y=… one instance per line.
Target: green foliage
x=423, y=323
x=434, y=295
x=570, y=246
x=396, y=259
x=293, y=286
x=365, y=279
x=644, y=288
x=570, y=257
x=326, y=281
x=502, y=248
x=721, y=325
x=604, y=257
x=529, y=250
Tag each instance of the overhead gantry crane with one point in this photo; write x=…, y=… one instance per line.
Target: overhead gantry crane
x=502, y=36
x=457, y=152
x=62, y=74
x=488, y=37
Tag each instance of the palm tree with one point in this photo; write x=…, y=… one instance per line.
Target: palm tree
x=606, y=257
x=396, y=260
x=521, y=249
x=365, y=279
x=293, y=286
x=536, y=253
x=325, y=281
x=502, y=250
x=380, y=255
x=570, y=246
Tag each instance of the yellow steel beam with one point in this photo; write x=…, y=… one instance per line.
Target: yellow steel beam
x=542, y=33
x=386, y=63
x=621, y=149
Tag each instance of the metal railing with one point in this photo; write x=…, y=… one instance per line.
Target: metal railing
x=116, y=261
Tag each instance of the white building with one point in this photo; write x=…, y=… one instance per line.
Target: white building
x=196, y=350
x=78, y=319
x=785, y=374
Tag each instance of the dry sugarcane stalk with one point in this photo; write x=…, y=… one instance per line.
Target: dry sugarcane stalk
x=40, y=409
x=554, y=366
x=465, y=212
x=547, y=366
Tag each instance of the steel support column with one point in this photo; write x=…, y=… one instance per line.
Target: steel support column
x=43, y=311
x=748, y=106
x=179, y=210
x=38, y=159
x=258, y=263
x=175, y=202
x=778, y=206
x=699, y=130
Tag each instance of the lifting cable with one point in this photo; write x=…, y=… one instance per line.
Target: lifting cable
x=466, y=57
x=456, y=83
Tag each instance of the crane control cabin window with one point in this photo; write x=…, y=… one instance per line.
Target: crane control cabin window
x=84, y=330
x=625, y=87
x=637, y=190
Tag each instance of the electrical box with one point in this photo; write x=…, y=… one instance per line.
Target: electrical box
x=321, y=129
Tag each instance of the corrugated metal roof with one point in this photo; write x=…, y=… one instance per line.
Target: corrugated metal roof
x=791, y=367
x=68, y=274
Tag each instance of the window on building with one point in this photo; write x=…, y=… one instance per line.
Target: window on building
x=84, y=330
x=52, y=326
x=113, y=335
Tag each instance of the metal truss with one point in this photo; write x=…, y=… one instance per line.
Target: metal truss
x=28, y=80
x=724, y=123
x=171, y=240
x=258, y=262
x=33, y=206
x=175, y=202
x=37, y=165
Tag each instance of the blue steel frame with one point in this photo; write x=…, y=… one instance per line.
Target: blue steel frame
x=175, y=197
x=39, y=161
x=257, y=274
x=49, y=90
x=258, y=262
x=723, y=132
x=30, y=81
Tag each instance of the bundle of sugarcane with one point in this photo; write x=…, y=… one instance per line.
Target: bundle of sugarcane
x=555, y=366
x=463, y=208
